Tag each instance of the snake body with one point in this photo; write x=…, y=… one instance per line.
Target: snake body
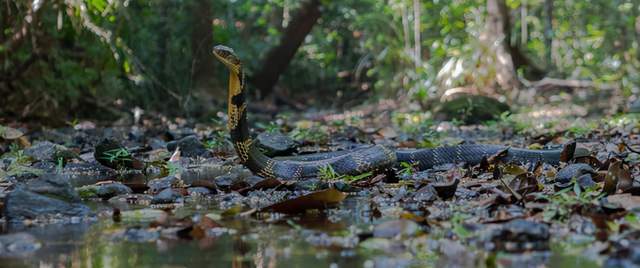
x=353, y=162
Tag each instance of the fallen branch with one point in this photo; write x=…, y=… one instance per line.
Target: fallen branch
x=554, y=83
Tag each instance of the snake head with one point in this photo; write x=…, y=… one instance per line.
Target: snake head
x=227, y=56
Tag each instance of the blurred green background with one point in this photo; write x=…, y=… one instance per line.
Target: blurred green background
x=96, y=58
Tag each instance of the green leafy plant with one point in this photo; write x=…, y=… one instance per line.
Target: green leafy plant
x=457, y=222
x=355, y=178
x=407, y=169
x=328, y=173
x=172, y=168
x=313, y=134
x=563, y=201
x=219, y=140
x=59, y=164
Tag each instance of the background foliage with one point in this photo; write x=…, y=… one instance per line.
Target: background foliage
x=97, y=58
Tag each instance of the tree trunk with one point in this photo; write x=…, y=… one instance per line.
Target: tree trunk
x=279, y=57
x=201, y=44
x=496, y=35
x=405, y=28
x=416, y=34
x=548, y=31
x=531, y=70
x=637, y=26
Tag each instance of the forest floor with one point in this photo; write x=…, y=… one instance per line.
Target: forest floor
x=172, y=192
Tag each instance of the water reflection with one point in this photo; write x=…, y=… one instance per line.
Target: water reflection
x=255, y=242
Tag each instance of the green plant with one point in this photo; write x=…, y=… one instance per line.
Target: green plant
x=407, y=169
x=117, y=155
x=563, y=201
x=172, y=168
x=313, y=134
x=59, y=164
x=73, y=122
x=355, y=178
x=218, y=140
x=271, y=127
x=328, y=173
x=457, y=222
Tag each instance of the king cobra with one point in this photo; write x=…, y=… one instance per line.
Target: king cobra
x=358, y=161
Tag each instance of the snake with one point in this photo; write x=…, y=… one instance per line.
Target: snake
x=357, y=161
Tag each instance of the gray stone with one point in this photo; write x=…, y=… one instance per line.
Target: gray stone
x=166, y=196
x=190, y=146
x=157, y=185
x=275, y=144
x=79, y=174
x=198, y=191
x=22, y=204
x=48, y=151
x=53, y=185
x=566, y=174
x=396, y=228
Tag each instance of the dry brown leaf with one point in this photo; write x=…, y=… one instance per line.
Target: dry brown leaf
x=618, y=177
x=315, y=200
x=626, y=201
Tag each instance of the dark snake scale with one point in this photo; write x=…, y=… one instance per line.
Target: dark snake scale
x=358, y=161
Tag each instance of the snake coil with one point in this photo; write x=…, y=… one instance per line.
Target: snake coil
x=358, y=161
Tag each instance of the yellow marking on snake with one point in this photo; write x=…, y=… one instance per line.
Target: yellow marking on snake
x=243, y=149
x=235, y=113
x=267, y=171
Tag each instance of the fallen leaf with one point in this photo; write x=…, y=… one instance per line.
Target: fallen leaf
x=514, y=170
x=618, y=177
x=497, y=156
x=261, y=185
x=315, y=200
x=626, y=201
x=446, y=190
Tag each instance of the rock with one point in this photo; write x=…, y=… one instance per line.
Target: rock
x=225, y=181
x=45, y=166
x=190, y=146
x=166, y=196
x=48, y=151
x=156, y=143
x=521, y=235
x=139, y=235
x=312, y=184
x=18, y=245
x=206, y=172
x=586, y=181
x=425, y=194
x=22, y=204
x=566, y=174
x=79, y=174
x=275, y=144
x=53, y=185
x=471, y=109
x=625, y=254
x=396, y=228
x=9, y=133
x=194, y=191
x=130, y=200
x=176, y=134
x=157, y=185
x=144, y=215
x=104, y=190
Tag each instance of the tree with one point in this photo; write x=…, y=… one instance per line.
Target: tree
x=497, y=27
x=279, y=57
